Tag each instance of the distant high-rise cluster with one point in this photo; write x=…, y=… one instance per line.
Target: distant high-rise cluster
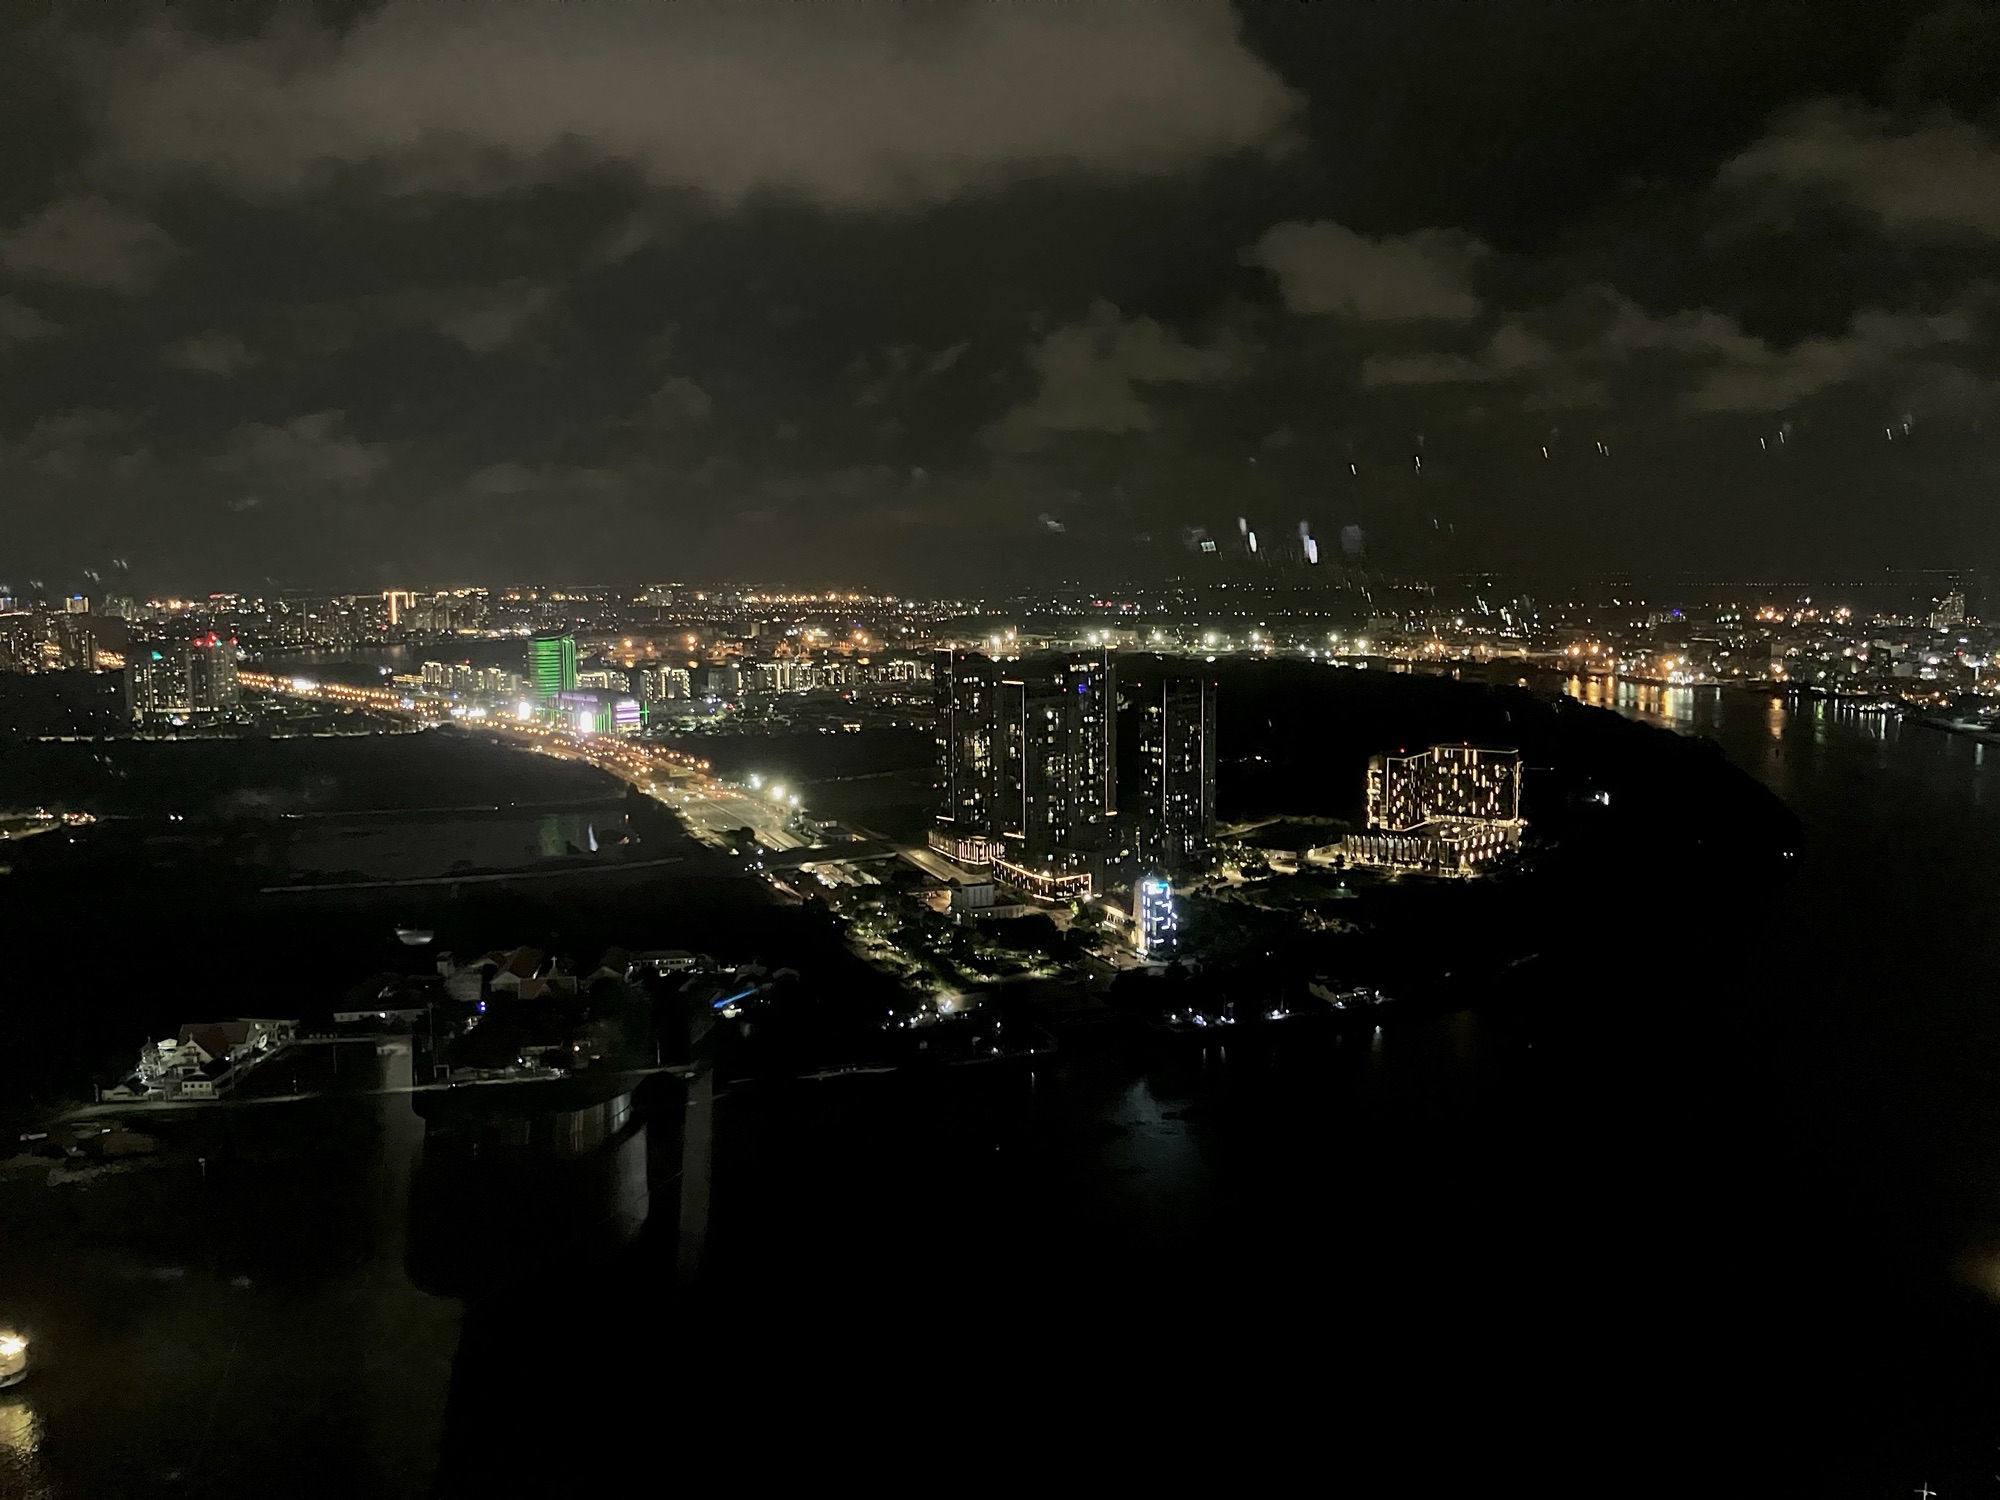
x=177, y=681
x=460, y=677
x=1949, y=612
x=434, y=612
x=61, y=640
x=1445, y=809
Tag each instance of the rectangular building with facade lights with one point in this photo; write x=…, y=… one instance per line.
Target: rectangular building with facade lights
x=1445, y=810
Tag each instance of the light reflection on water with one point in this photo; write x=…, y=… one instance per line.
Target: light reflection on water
x=1816, y=753
x=1673, y=707
x=21, y=1435
x=1701, y=709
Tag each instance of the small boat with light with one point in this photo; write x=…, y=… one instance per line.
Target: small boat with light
x=1349, y=998
x=13, y=1359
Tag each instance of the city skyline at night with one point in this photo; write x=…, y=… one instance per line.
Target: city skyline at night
x=745, y=738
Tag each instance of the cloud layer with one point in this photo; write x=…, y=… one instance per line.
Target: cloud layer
x=1091, y=376
x=1323, y=268
x=1940, y=176
x=86, y=242
x=853, y=106
x=902, y=292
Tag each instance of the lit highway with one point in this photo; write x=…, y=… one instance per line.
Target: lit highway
x=712, y=810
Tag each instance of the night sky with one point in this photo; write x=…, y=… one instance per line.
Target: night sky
x=940, y=298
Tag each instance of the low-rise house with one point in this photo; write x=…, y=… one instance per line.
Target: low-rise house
x=511, y=970
x=204, y=1060
x=239, y=1039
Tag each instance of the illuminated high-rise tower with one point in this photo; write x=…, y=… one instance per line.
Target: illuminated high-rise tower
x=552, y=664
x=1173, y=807
x=1056, y=737
x=1027, y=759
x=967, y=687
x=211, y=675
x=156, y=680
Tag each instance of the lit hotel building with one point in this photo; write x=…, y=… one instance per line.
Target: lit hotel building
x=1444, y=810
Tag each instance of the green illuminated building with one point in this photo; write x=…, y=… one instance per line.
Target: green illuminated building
x=552, y=664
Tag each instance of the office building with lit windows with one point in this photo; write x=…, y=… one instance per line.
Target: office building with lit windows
x=552, y=664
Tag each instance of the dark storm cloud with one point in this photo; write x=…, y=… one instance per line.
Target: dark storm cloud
x=931, y=295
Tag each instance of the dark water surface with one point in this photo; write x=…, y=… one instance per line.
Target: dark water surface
x=1726, y=1218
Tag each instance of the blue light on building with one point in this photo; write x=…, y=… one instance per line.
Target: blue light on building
x=1155, y=922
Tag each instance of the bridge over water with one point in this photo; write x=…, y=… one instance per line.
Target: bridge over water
x=855, y=851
